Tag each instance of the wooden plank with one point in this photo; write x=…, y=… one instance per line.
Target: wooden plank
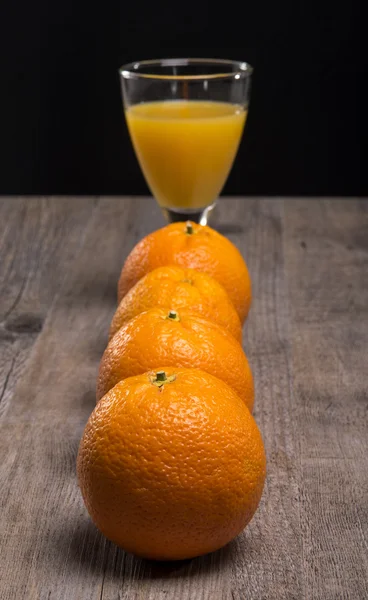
x=48, y=548
x=267, y=556
x=327, y=264
x=306, y=342
x=38, y=239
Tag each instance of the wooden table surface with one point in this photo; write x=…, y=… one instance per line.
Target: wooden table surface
x=307, y=342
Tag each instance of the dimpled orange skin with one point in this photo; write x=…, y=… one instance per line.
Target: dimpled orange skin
x=204, y=250
x=182, y=288
x=173, y=472
x=152, y=339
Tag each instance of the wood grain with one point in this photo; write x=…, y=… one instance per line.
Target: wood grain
x=326, y=250
x=307, y=340
x=38, y=239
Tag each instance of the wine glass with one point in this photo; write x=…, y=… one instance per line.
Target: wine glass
x=185, y=118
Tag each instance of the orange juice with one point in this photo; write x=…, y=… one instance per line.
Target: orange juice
x=186, y=148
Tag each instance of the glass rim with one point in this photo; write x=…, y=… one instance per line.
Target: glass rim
x=241, y=69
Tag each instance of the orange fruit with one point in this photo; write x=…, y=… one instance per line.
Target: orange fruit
x=195, y=247
x=171, y=469
x=178, y=339
x=182, y=288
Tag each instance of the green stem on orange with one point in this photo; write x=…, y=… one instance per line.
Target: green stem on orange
x=189, y=228
x=160, y=379
x=173, y=315
x=161, y=376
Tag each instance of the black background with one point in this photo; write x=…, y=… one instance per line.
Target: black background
x=62, y=127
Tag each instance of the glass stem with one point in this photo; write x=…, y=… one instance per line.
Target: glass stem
x=173, y=215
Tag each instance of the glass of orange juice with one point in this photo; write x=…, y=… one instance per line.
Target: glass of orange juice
x=185, y=118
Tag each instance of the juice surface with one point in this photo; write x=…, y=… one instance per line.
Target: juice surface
x=186, y=148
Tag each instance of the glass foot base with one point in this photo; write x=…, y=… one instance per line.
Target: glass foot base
x=173, y=215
